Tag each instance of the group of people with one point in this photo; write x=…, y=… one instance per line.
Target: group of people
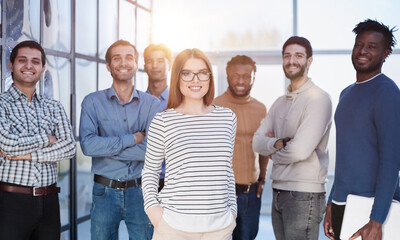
x=175, y=163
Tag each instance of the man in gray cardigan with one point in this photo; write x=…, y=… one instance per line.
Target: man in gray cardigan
x=295, y=134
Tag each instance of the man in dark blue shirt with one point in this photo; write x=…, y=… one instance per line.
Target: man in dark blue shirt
x=367, y=130
x=113, y=128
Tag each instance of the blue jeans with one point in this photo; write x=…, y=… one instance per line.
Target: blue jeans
x=111, y=205
x=248, y=216
x=297, y=215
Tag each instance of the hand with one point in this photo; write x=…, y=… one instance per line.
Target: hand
x=20, y=157
x=52, y=139
x=260, y=187
x=279, y=144
x=155, y=214
x=3, y=155
x=328, y=223
x=371, y=231
x=139, y=137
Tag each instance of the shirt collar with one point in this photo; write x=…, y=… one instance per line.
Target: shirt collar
x=111, y=93
x=163, y=96
x=369, y=79
x=17, y=94
x=303, y=88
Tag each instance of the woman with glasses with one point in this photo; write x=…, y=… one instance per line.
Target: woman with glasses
x=196, y=140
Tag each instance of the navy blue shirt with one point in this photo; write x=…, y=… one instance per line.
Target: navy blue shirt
x=106, y=132
x=367, y=147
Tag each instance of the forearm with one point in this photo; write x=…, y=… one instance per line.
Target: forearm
x=232, y=191
x=13, y=144
x=386, y=186
x=60, y=150
x=150, y=178
x=308, y=138
x=99, y=146
x=136, y=152
x=263, y=144
x=263, y=161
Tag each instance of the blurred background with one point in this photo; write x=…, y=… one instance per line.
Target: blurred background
x=77, y=33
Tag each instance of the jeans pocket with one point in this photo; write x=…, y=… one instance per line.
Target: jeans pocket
x=300, y=196
x=98, y=190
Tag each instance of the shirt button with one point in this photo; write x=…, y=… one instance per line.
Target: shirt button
x=124, y=120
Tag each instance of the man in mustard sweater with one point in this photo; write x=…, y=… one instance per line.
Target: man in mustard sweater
x=295, y=133
x=249, y=168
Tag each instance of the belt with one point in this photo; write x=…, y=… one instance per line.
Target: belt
x=34, y=191
x=117, y=184
x=240, y=189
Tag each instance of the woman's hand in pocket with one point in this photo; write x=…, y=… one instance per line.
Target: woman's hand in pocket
x=155, y=214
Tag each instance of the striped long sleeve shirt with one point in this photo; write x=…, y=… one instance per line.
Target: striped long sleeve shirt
x=24, y=127
x=199, y=180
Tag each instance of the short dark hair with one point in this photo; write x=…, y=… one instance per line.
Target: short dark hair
x=300, y=41
x=120, y=43
x=29, y=44
x=375, y=26
x=159, y=47
x=241, y=59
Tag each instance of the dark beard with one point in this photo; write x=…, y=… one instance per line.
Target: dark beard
x=296, y=75
x=232, y=89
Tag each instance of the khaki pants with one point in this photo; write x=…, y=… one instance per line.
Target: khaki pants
x=165, y=232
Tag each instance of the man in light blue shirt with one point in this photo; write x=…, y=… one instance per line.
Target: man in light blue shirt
x=157, y=63
x=113, y=128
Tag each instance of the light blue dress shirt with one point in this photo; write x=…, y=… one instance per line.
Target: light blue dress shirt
x=106, y=132
x=163, y=101
x=163, y=98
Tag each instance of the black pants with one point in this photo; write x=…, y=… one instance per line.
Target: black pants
x=337, y=219
x=25, y=217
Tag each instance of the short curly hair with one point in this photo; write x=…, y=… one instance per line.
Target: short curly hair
x=241, y=59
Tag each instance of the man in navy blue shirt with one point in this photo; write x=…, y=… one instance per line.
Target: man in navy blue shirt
x=367, y=130
x=113, y=128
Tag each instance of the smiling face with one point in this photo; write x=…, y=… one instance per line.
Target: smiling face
x=240, y=79
x=156, y=66
x=123, y=64
x=27, y=67
x=195, y=89
x=369, y=53
x=295, y=61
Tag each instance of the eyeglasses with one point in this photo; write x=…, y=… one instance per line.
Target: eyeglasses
x=189, y=76
x=246, y=77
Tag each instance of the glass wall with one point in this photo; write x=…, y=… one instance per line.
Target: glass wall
x=75, y=35
x=259, y=28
